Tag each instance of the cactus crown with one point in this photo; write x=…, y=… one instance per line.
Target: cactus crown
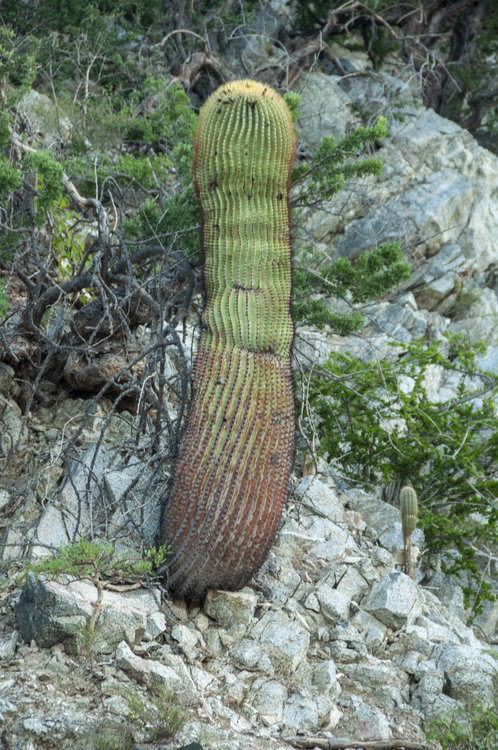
x=409, y=509
x=243, y=153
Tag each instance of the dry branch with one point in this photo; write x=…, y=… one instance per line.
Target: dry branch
x=344, y=743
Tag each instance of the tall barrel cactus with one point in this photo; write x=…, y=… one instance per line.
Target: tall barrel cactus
x=231, y=477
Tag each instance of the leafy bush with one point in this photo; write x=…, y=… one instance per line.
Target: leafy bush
x=335, y=162
x=159, y=721
x=376, y=421
x=4, y=305
x=49, y=172
x=466, y=729
x=97, y=563
x=372, y=275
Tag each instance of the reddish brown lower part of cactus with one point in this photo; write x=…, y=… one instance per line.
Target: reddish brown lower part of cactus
x=235, y=460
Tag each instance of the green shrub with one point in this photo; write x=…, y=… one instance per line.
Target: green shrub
x=373, y=274
x=466, y=729
x=4, y=304
x=335, y=162
x=49, y=172
x=374, y=420
x=98, y=563
x=159, y=718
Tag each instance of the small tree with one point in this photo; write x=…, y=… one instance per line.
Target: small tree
x=376, y=423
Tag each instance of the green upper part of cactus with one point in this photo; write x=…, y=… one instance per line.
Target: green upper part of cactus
x=243, y=152
x=409, y=509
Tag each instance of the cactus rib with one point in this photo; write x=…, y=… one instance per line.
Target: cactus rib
x=231, y=477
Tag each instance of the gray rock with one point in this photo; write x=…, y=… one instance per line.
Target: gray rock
x=44, y=116
x=147, y=671
x=428, y=696
x=6, y=705
x=379, y=680
x=325, y=679
x=5, y=498
x=324, y=109
x=334, y=604
x=374, y=632
x=11, y=429
x=471, y=673
x=479, y=322
x=156, y=624
x=394, y=600
x=310, y=346
x=416, y=638
x=301, y=712
x=450, y=593
x=248, y=653
x=298, y=536
x=269, y=699
x=346, y=643
x=319, y=498
x=136, y=501
x=375, y=512
x=430, y=209
x=231, y=608
x=6, y=379
x=283, y=640
x=51, y=612
x=339, y=543
x=353, y=584
x=365, y=721
x=489, y=361
x=440, y=273
x=437, y=632
x=78, y=507
x=392, y=539
x=189, y=639
x=9, y=645
x=379, y=562
x=486, y=623
x=400, y=320
x=374, y=92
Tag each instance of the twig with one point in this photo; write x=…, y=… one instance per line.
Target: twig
x=178, y=31
x=344, y=743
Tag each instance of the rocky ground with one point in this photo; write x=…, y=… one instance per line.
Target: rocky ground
x=333, y=639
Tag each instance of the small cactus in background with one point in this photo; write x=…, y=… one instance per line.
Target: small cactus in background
x=235, y=458
x=409, y=513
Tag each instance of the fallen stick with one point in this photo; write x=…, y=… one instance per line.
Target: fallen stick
x=344, y=743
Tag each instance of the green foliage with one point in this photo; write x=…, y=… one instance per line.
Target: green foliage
x=4, y=305
x=376, y=421
x=160, y=717
x=293, y=101
x=336, y=161
x=372, y=275
x=177, y=216
x=50, y=180
x=17, y=66
x=170, y=119
x=70, y=16
x=10, y=177
x=96, y=561
x=466, y=729
x=110, y=736
x=68, y=244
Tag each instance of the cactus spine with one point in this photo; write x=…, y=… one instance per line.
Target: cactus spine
x=231, y=477
x=409, y=513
